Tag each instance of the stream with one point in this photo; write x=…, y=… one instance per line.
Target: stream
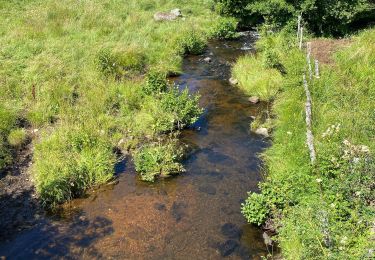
x=195, y=215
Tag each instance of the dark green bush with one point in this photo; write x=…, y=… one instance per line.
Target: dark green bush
x=322, y=17
x=225, y=29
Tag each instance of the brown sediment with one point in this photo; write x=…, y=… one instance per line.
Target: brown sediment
x=324, y=49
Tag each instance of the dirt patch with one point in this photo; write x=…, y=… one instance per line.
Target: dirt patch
x=19, y=207
x=324, y=49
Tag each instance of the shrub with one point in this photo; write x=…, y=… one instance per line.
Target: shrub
x=156, y=83
x=69, y=162
x=255, y=209
x=17, y=137
x=193, y=43
x=158, y=159
x=182, y=106
x=225, y=29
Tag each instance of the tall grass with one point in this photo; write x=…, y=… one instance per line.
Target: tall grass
x=323, y=211
x=76, y=68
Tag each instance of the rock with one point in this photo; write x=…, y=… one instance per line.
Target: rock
x=228, y=247
x=172, y=15
x=233, y=81
x=160, y=206
x=262, y=131
x=178, y=210
x=267, y=239
x=177, y=12
x=253, y=117
x=254, y=100
x=207, y=59
x=230, y=230
x=208, y=189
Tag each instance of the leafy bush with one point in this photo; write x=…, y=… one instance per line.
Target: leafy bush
x=255, y=209
x=158, y=159
x=69, y=162
x=225, y=29
x=156, y=82
x=192, y=43
x=182, y=106
x=17, y=137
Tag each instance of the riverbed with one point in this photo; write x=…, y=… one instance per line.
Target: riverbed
x=195, y=215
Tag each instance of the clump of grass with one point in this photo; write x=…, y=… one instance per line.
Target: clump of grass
x=160, y=159
x=82, y=160
x=17, y=137
x=255, y=79
x=121, y=63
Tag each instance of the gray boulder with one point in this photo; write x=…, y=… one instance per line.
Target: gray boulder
x=171, y=16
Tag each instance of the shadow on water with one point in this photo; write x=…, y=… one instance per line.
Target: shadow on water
x=195, y=215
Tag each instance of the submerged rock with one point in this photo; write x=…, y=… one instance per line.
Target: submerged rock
x=178, y=210
x=230, y=230
x=207, y=59
x=160, y=206
x=228, y=247
x=208, y=189
x=233, y=81
x=254, y=100
x=262, y=131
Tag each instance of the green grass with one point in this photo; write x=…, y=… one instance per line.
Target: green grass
x=325, y=211
x=78, y=67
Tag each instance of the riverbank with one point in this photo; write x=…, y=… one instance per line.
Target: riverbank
x=324, y=210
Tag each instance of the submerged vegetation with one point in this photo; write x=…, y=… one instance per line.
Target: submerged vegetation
x=90, y=77
x=325, y=210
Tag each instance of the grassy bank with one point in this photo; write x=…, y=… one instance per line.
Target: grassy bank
x=89, y=78
x=326, y=210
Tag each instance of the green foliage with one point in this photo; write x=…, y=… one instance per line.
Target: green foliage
x=225, y=29
x=255, y=209
x=321, y=17
x=17, y=137
x=159, y=159
x=69, y=162
x=182, y=106
x=156, y=83
x=236, y=8
x=322, y=212
x=8, y=120
x=192, y=43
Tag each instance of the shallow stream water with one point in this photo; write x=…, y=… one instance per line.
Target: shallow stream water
x=195, y=215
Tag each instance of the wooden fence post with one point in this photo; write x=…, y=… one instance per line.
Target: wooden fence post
x=308, y=110
x=317, y=69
